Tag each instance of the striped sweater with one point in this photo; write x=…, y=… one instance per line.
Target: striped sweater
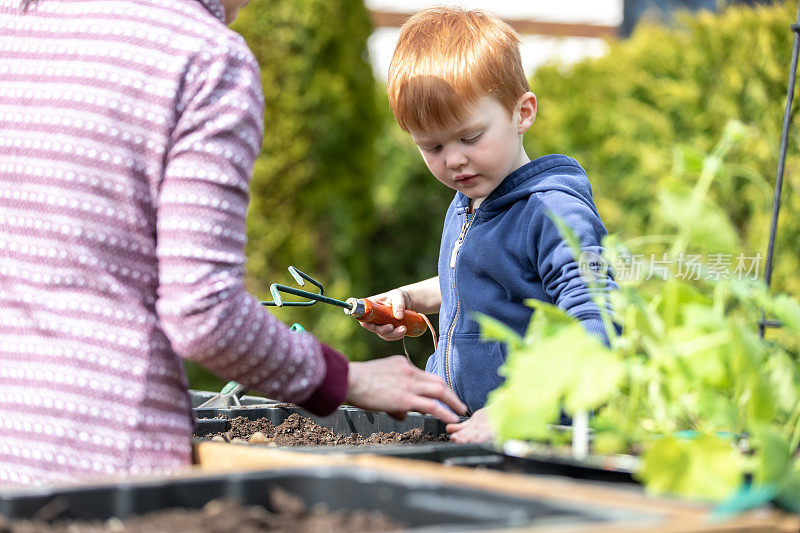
x=128, y=131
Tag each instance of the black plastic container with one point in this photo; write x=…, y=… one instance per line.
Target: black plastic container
x=421, y=505
x=538, y=460
x=616, y=469
x=348, y=420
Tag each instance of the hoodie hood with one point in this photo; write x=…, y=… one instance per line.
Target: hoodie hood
x=553, y=172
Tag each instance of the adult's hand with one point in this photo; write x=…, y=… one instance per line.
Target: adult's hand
x=474, y=430
x=396, y=386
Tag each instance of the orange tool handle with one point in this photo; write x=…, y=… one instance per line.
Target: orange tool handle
x=365, y=310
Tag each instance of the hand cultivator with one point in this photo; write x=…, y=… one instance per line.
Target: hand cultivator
x=362, y=309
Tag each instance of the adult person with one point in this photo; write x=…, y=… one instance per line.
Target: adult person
x=128, y=131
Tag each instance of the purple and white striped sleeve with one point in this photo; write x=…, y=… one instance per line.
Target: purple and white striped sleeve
x=205, y=311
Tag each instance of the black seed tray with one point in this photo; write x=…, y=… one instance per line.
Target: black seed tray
x=609, y=468
x=421, y=505
x=347, y=420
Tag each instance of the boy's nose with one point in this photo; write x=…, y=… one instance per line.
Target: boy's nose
x=455, y=159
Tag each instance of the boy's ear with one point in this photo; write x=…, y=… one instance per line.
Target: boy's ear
x=526, y=108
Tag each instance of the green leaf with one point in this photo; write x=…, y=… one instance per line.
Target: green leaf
x=706, y=467
x=715, y=409
x=688, y=160
x=608, y=442
x=546, y=320
x=702, y=355
x=784, y=379
x=493, y=329
x=772, y=455
x=596, y=373
x=679, y=298
x=705, y=224
x=515, y=413
x=568, y=367
x=787, y=311
x=760, y=400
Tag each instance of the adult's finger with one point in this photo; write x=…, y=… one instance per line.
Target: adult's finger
x=429, y=406
x=432, y=386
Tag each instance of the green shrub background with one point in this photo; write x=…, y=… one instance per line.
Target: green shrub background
x=623, y=115
x=341, y=192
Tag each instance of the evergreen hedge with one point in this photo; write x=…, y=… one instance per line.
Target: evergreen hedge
x=623, y=115
x=310, y=204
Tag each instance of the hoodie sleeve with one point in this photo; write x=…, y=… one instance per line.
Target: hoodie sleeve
x=562, y=276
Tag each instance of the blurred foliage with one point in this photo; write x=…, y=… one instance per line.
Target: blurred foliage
x=342, y=193
x=309, y=204
x=623, y=115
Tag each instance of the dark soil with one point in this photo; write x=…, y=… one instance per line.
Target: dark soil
x=223, y=516
x=298, y=430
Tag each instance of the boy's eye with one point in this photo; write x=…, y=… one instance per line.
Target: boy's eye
x=432, y=149
x=473, y=139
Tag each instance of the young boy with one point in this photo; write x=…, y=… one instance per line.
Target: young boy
x=457, y=85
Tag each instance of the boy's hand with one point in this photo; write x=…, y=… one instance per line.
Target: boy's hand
x=399, y=300
x=473, y=431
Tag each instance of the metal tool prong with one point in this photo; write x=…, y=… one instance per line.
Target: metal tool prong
x=296, y=275
x=301, y=279
x=276, y=295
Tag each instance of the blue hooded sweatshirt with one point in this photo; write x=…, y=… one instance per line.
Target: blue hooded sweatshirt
x=507, y=251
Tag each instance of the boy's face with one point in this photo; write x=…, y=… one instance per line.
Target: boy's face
x=475, y=155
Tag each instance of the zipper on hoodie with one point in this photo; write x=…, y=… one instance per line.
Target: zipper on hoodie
x=453, y=257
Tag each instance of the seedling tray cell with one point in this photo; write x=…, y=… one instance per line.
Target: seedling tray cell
x=421, y=505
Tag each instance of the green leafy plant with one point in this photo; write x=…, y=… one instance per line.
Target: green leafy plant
x=688, y=384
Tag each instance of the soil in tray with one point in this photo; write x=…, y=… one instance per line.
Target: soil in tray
x=289, y=515
x=298, y=430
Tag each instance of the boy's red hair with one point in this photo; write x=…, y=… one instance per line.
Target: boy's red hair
x=446, y=59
